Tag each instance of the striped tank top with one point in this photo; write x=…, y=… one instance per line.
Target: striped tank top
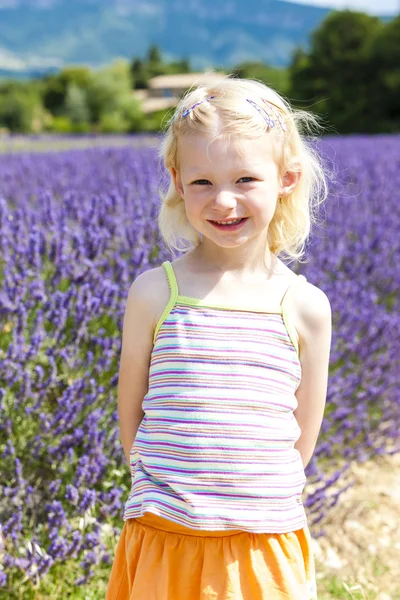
x=215, y=448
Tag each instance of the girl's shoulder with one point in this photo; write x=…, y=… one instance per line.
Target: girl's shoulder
x=310, y=310
x=153, y=286
x=307, y=305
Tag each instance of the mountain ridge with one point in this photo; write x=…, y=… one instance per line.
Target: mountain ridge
x=40, y=36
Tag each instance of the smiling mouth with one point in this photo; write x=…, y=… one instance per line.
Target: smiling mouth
x=229, y=224
x=227, y=221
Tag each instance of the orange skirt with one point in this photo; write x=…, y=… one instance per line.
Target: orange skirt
x=157, y=559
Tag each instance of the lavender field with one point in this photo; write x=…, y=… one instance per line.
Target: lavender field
x=76, y=227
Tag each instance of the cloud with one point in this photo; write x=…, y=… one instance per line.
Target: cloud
x=383, y=7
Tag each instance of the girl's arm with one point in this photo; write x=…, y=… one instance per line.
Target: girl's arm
x=314, y=325
x=137, y=343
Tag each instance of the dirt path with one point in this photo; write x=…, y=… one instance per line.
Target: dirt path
x=363, y=532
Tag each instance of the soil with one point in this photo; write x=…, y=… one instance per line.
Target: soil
x=362, y=541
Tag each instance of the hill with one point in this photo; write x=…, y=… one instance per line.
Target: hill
x=36, y=36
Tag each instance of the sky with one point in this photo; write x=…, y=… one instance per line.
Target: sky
x=374, y=7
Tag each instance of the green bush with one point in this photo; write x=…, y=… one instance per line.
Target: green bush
x=112, y=123
x=157, y=120
x=61, y=125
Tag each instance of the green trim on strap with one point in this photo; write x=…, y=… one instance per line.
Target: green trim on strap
x=198, y=302
x=289, y=325
x=173, y=286
x=290, y=329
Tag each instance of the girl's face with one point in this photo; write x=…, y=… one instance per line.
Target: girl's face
x=218, y=183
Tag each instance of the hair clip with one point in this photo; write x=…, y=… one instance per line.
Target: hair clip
x=188, y=110
x=275, y=110
x=266, y=115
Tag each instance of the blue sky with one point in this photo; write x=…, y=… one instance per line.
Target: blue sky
x=374, y=7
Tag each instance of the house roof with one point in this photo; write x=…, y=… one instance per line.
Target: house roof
x=184, y=80
x=150, y=105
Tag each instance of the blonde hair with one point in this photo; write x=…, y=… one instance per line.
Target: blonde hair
x=229, y=110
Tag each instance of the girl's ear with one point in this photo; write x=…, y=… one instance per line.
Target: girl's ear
x=289, y=182
x=177, y=181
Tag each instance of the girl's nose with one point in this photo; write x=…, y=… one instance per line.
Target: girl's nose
x=224, y=199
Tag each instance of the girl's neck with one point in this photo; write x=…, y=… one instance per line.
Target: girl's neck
x=244, y=266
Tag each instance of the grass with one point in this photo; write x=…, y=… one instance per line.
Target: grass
x=26, y=143
x=333, y=588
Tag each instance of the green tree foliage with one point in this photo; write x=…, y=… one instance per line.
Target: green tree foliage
x=144, y=69
x=110, y=98
x=179, y=66
x=15, y=112
x=155, y=65
x=384, y=98
x=335, y=78
x=274, y=77
x=154, y=55
x=139, y=73
x=21, y=108
x=56, y=86
x=156, y=120
x=76, y=105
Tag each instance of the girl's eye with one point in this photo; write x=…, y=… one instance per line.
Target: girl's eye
x=202, y=181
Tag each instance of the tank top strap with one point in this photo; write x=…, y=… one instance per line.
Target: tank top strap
x=173, y=284
x=291, y=285
x=293, y=334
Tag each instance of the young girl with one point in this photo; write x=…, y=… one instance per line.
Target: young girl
x=224, y=361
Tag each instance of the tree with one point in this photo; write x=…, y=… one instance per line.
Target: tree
x=336, y=73
x=274, y=77
x=155, y=65
x=15, y=112
x=111, y=100
x=56, y=86
x=154, y=55
x=139, y=73
x=177, y=66
x=144, y=69
x=107, y=86
x=20, y=108
x=76, y=105
x=384, y=97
